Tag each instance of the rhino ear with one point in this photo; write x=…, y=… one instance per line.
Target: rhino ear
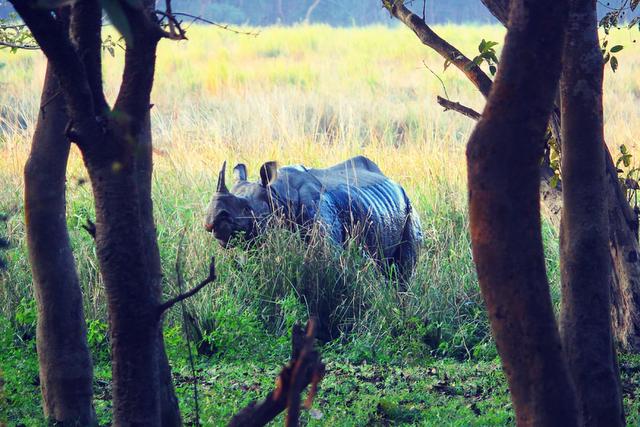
x=240, y=172
x=268, y=173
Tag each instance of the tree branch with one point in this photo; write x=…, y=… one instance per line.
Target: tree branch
x=499, y=9
x=137, y=79
x=428, y=37
x=173, y=301
x=19, y=46
x=304, y=368
x=55, y=44
x=86, y=31
x=456, y=106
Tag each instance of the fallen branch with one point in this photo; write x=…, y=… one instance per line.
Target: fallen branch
x=304, y=368
x=456, y=106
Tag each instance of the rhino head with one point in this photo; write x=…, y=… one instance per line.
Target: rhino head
x=241, y=211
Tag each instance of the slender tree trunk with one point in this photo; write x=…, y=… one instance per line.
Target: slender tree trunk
x=65, y=362
x=170, y=411
x=503, y=158
x=585, y=259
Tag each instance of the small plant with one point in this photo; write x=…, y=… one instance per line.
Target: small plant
x=487, y=54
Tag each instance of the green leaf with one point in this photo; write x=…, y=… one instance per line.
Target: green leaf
x=118, y=18
x=614, y=63
x=617, y=48
x=492, y=69
x=623, y=149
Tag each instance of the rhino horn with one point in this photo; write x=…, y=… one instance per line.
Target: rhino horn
x=222, y=187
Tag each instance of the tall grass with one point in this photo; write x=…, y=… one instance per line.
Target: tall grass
x=313, y=95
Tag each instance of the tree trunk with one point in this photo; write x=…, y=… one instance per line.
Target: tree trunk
x=623, y=242
x=170, y=411
x=503, y=158
x=65, y=362
x=585, y=259
x=131, y=294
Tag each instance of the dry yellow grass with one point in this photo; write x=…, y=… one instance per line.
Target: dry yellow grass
x=312, y=95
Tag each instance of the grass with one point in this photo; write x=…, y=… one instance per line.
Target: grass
x=313, y=95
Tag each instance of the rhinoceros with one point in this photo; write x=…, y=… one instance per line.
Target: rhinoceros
x=352, y=196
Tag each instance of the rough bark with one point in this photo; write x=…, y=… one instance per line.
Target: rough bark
x=585, y=260
x=66, y=371
x=117, y=153
x=623, y=242
x=169, y=409
x=503, y=158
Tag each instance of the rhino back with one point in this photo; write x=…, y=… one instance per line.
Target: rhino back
x=378, y=209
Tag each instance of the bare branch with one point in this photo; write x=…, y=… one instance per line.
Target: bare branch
x=456, y=106
x=428, y=37
x=304, y=368
x=173, y=301
x=221, y=26
x=19, y=46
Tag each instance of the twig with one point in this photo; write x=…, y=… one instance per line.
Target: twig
x=222, y=26
x=456, y=106
x=304, y=368
x=90, y=227
x=173, y=301
x=179, y=278
x=444, y=88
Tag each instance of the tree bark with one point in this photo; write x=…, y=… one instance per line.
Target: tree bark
x=499, y=9
x=623, y=242
x=169, y=409
x=503, y=158
x=66, y=372
x=585, y=260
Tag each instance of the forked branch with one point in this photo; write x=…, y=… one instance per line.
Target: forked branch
x=173, y=301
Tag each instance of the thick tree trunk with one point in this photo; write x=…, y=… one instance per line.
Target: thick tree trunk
x=65, y=362
x=131, y=293
x=503, y=157
x=623, y=242
x=585, y=259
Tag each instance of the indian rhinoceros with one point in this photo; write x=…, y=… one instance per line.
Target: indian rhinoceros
x=351, y=196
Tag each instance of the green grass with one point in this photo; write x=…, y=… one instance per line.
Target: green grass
x=314, y=95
